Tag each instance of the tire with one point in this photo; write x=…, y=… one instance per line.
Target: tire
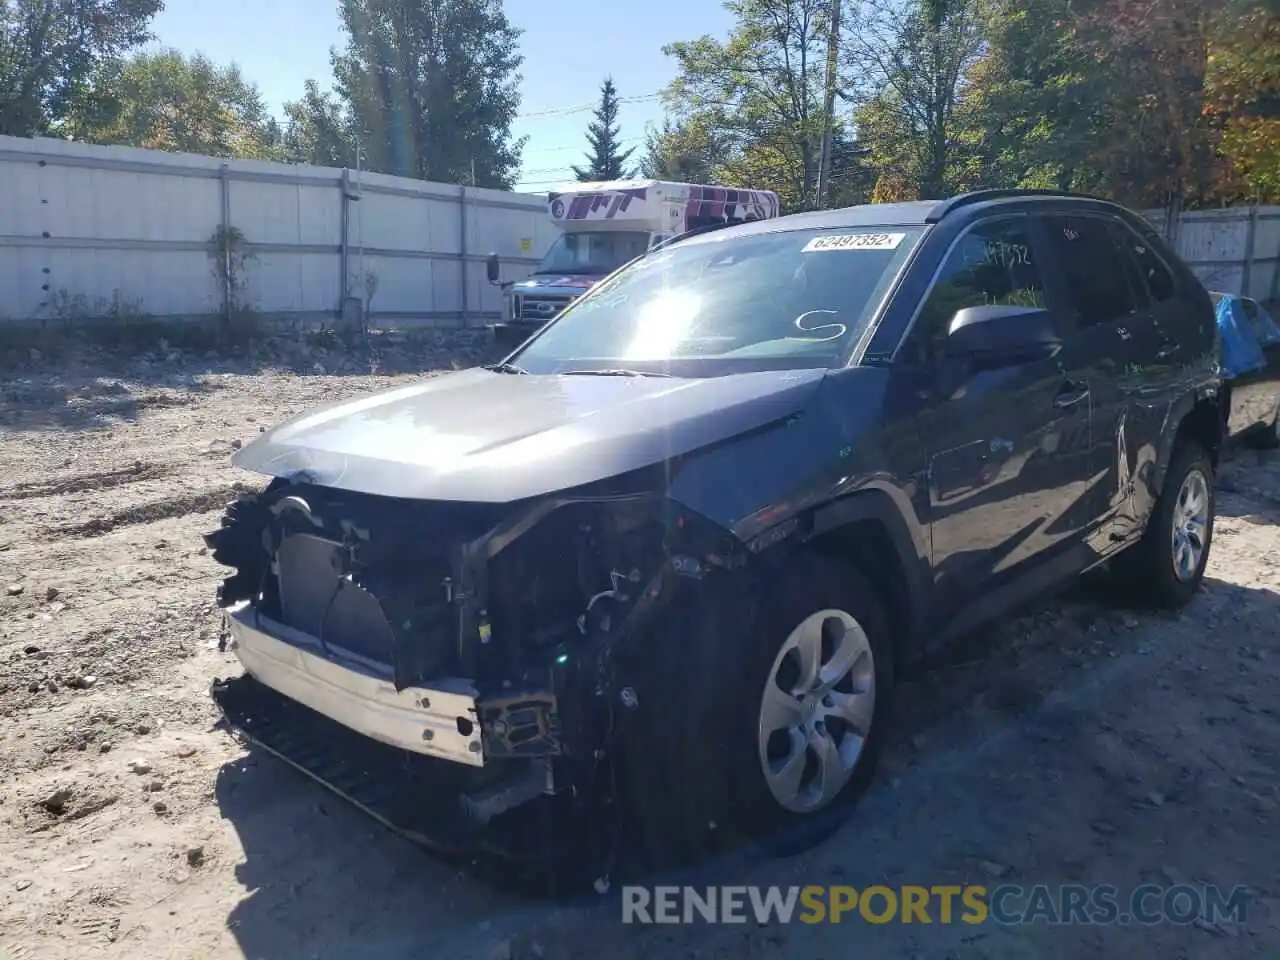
x=1158, y=569
x=711, y=757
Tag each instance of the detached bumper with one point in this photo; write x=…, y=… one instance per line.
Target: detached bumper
x=440, y=721
x=422, y=798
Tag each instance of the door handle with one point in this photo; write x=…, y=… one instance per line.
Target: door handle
x=1070, y=395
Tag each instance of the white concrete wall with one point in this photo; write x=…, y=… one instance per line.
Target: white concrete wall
x=1235, y=250
x=82, y=226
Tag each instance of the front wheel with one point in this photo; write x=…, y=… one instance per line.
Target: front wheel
x=764, y=710
x=809, y=703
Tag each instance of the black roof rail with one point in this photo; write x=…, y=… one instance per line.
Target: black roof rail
x=945, y=207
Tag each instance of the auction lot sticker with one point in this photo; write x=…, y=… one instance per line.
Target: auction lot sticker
x=855, y=241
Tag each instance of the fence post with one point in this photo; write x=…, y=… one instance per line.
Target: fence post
x=1173, y=220
x=344, y=247
x=462, y=243
x=224, y=186
x=1250, y=254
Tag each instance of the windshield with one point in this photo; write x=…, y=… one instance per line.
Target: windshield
x=593, y=253
x=723, y=304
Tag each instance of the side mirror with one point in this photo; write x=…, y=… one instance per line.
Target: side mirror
x=493, y=267
x=997, y=336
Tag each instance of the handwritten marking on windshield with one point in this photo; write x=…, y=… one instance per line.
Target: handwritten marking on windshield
x=855, y=241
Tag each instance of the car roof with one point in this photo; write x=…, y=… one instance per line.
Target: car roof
x=910, y=213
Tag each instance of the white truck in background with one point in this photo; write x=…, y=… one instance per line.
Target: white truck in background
x=607, y=224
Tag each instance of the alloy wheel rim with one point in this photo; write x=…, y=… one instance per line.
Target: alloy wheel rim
x=816, y=711
x=1190, y=525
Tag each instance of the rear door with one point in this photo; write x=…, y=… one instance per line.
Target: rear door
x=1097, y=292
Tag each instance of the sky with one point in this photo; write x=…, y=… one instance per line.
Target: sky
x=569, y=47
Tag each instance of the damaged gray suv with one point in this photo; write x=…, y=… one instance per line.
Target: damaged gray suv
x=653, y=575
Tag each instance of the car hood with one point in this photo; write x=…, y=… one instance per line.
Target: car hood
x=479, y=435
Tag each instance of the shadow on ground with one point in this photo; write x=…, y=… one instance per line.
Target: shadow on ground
x=1027, y=697
x=85, y=397
x=84, y=386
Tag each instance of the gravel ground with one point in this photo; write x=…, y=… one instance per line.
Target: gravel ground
x=1080, y=744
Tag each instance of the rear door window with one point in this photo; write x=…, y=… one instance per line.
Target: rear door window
x=1092, y=265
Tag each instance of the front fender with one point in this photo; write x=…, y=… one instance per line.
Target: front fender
x=889, y=508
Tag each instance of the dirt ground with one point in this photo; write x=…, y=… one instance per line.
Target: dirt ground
x=1083, y=744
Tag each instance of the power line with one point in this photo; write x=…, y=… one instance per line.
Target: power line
x=583, y=148
x=566, y=168
x=584, y=107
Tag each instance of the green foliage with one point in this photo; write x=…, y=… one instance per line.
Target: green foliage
x=1141, y=102
x=760, y=93
x=688, y=151
x=909, y=64
x=1144, y=102
x=49, y=50
x=317, y=130
x=605, y=161
x=166, y=101
x=430, y=89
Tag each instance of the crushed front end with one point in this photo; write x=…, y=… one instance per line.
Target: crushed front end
x=452, y=668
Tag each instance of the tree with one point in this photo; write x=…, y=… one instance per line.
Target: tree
x=909, y=64
x=431, y=87
x=49, y=49
x=1113, y=98
x=166, y=101
x=1157, y=55
x=685, y=151
x=1036, y=99
x=318, y=130
x=761, y=93
x=1243, y=100
x=605, y=161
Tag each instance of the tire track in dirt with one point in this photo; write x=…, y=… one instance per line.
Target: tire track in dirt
x=165, y=508
x=88, y=482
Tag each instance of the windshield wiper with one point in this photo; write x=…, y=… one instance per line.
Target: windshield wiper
x=505, y=367
x=613, y=372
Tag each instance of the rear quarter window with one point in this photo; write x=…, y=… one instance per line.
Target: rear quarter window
x=1155, y=273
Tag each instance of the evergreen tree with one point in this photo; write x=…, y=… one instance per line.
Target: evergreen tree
x=605, y=161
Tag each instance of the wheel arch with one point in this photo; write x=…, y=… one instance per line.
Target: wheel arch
x=869, y=530
x=1200, y=416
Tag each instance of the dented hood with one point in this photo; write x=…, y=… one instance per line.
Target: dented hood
x=484, y=436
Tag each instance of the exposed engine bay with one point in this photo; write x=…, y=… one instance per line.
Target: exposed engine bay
x=517, y=616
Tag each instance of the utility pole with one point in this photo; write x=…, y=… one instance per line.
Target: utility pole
x=829, y=107
x=360, y=223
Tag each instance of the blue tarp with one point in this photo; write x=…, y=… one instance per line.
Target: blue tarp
x=1265, y=328
x=1243, y=336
